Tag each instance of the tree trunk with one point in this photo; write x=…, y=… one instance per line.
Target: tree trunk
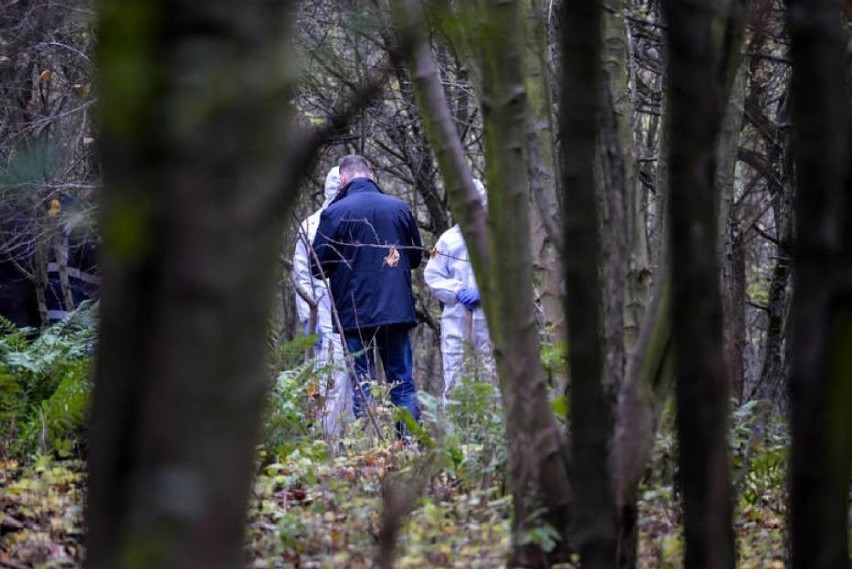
x=634, y=271
x=820, y=390
x=191, y=225
x=648, y=385
x=649, y=376
x=591, y=426
x=541, y=147
x=536, y=465
x=777, y=171
x=732, y=258
x=696, y=98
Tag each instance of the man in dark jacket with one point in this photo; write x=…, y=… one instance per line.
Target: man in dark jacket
x=367, y=244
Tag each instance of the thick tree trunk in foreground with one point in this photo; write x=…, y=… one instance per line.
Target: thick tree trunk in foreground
x=696, y=98
x=590, y=412
x=191, y=240
x=821, y=390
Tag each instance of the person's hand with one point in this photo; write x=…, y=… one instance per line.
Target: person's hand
x=469, y=297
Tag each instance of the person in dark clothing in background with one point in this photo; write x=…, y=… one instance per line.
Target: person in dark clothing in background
x=18, y=299
x=367, y=244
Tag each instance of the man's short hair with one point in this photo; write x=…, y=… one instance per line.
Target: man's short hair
x=355, y=166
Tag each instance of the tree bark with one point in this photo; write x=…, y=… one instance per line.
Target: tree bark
x=192, y=214
x=820, y=389
x=648, y=385
x=537, y=470
x=732, y=257
x=777, y=170
x=547, y=237
x=591, y=425
x=697, y=103
x=649, y=378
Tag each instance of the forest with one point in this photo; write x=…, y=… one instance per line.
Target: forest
x=653, y=346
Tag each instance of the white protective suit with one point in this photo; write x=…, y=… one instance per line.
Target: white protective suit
x=335, y=385
x=463, y=332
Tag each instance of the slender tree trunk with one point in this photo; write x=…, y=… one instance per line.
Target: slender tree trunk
x=696, y=97
x=778, y=173
x=536, y=464
x=649, y=376
x=541, y=147
x=591, y=426
x=613, y=196
x=648, y=385
x=821, y=390
x=732, y=258
x=536, y=461
x=634, y=271
x=191, y=223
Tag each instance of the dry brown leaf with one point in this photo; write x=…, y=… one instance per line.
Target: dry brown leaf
x=45, y=76
x=392, y=259
x=81, y=90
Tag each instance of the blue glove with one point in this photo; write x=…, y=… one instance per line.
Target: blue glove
x=307, y=332
x=469, y=297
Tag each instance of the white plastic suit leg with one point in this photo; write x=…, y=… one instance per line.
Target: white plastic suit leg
x=453, y=336
x=335, y=386
x=466, y=348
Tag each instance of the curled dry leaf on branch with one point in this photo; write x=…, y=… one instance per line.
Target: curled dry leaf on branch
x=392, y=258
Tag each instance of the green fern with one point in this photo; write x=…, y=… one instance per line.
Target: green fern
x=44, y=384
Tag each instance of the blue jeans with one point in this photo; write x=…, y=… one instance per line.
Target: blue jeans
x=395, y=351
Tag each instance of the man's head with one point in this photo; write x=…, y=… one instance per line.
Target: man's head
x=332, y=184
x=354, y=166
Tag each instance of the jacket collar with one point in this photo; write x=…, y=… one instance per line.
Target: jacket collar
x=356, y=186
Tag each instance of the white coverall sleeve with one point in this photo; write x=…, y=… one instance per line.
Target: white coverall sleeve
x=302, y=275
x=439, y=277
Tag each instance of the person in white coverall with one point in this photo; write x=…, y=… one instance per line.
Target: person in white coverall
x=335, y=386
x=464, y=332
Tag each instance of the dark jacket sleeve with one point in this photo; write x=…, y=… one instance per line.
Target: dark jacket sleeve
x=324, y=247
x=415, y=251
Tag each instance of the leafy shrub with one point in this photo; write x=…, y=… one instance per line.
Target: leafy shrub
x=45, y=385
x=759, y=452
x=291, y=412
x=471, y=432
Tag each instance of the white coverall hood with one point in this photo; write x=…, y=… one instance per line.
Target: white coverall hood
x=480, y=189
x=334, y=384
x=332, y=185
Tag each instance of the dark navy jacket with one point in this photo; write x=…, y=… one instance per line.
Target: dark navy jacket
x=367, y=290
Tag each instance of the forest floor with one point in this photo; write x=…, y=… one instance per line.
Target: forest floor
x=317, y=511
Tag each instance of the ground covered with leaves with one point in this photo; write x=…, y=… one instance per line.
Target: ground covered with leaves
x=313, y=510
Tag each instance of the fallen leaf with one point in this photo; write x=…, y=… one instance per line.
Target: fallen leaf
x=392, y=259
x=54, y=209
x=81, y=90
x=45, y=76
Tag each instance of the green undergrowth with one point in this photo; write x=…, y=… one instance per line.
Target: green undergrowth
x=319, y=504
x=45, y=386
